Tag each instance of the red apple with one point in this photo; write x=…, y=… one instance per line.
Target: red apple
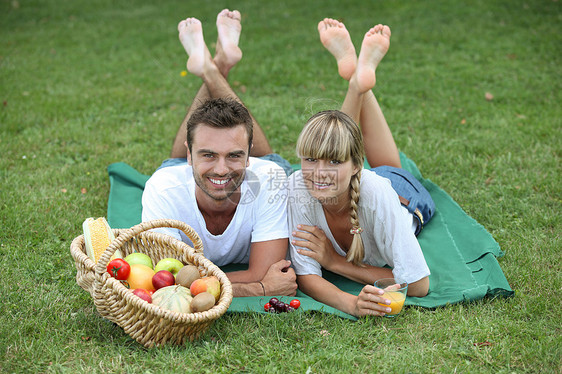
x=207, y=284
x=163, y=278
x=143, y=294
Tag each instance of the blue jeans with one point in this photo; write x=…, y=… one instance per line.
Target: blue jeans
x=418, y=201
x=270, y=157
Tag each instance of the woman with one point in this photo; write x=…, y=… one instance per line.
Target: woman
x=346, y=219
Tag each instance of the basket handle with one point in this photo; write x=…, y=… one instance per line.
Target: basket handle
x=127, y=234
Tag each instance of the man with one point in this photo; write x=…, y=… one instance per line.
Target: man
x=236, y=203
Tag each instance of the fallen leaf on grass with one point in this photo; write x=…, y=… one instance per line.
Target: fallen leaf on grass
x=324, y=333
x=482, y=344
x=83, y=190
x=463, y=121
x=489, y=96
x=63, y=190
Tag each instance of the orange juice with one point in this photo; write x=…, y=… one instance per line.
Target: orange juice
x=396, y=301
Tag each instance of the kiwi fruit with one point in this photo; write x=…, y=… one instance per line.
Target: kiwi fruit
x=202, y=302
x=186, y=275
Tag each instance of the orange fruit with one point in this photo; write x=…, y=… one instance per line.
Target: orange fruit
x=141, y=277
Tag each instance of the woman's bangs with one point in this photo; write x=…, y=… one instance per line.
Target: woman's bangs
x=325, y=142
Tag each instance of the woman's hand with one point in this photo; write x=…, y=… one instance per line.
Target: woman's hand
x=368, y=302
x=318, y=246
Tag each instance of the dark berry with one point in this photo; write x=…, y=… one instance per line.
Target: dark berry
x=280, y=307
x=273, y=302
x=290, y=309
x=272, y=310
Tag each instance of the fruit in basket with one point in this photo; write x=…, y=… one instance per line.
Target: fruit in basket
x=186, y=275
x=176, y=298
x=119, y=269
x=139, y=258
x=163, y=278
x=206, y=284
x=143, y=294
x=202, y=302
x=97, y=237
x=140, y=277
x=171, y=264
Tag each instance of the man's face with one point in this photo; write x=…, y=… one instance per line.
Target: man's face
x=219, y=158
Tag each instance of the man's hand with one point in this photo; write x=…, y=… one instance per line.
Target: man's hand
x=280, y=279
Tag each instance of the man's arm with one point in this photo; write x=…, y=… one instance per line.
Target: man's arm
x=280, y=280
x=262, y=256
x=267, y=265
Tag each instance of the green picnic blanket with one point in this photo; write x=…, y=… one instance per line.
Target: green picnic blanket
x=460, y=253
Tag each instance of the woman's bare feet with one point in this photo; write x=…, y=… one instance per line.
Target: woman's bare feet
x=227, y=52
x=373, y=49
x=335, y=38
x=191, y=37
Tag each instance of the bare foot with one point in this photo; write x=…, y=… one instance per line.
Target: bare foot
x=373, y=49
x=229, y=28
x=335, y=38
x=191, y=37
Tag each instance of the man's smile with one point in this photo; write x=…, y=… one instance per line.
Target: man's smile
x=220, y=182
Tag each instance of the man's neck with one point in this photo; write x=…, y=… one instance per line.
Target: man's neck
x=217, y=213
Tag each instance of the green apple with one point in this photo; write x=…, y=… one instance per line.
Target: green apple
x=139, y=258
x=170, y=264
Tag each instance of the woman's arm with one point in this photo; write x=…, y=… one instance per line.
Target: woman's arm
x=365, y=304
x=318, y=247
x=365, y=274
x=419, y=288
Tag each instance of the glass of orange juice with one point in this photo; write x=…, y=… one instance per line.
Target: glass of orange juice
x=395, y=292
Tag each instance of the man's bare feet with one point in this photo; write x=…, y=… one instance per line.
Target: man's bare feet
x=227, y=52
x=335, y=38
x=191, y=37
x=373, y=49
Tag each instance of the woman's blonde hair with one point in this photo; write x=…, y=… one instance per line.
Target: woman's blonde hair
x=333, y=135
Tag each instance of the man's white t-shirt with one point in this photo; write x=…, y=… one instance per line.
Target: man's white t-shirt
x=387, y=234
x=261, y=214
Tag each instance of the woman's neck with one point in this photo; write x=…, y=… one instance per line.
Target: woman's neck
x=337, y=205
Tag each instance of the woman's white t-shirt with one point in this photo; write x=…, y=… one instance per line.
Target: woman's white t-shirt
x=387, y=234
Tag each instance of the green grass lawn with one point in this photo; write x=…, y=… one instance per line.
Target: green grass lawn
x=87, y=83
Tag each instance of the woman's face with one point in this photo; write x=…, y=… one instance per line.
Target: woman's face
x=328, y=180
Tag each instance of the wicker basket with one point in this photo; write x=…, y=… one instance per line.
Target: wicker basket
x=149, y=324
